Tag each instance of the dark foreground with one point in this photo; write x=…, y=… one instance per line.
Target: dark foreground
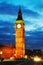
x=21, y=62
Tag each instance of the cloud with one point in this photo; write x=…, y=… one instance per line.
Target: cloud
x=8, y=33
x=8, y=9
x=29, y=28
x=29, y=12
x=6, y=17
x=27, y=35
x=2, y=26
x=33, y=24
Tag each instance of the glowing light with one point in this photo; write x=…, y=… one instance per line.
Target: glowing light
x=19, y=26
x=11, y=58
x=14, y=54
x=21, y=55
x=26, y=56
x=1, y=52
x=37, y=59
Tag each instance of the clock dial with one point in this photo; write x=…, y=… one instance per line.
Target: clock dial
x=18, y=25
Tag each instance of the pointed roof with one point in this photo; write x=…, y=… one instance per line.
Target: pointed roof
x=19, y=15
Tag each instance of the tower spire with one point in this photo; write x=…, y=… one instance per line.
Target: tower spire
x=19, y=14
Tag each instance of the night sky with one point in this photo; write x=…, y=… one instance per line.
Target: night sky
x=32, y=11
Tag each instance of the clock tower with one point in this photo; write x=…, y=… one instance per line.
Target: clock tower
x=19, y=38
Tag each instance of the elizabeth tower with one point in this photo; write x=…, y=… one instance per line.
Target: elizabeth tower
x=19, y=38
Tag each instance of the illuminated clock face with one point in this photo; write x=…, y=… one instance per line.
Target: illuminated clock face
x=18, y=25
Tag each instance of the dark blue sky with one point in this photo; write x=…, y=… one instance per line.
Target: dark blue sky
x=32, y=11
